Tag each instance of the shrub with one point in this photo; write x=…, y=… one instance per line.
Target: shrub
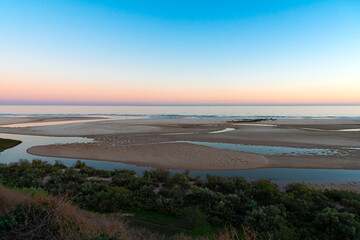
x=337, y=225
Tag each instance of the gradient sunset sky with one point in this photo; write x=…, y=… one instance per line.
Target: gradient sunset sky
x=179, y=52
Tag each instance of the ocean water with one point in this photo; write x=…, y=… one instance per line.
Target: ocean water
x=288, y=111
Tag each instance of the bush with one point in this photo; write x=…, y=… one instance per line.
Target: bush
x=299, y=212
x=335, y=225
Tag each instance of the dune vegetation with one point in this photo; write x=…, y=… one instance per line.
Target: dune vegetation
x=168, y=204
x=32, y=214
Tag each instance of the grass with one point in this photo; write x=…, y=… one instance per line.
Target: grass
x=169, y=225
x=157, y=222
x=8, y=143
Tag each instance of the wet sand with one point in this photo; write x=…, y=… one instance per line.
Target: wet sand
x=41, y=119
x=145, y=142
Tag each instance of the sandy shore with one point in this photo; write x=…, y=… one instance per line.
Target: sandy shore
x=145, y=142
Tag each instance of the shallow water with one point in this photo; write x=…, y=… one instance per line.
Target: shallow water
x=222, y=131
x=50, y=123
x=349, y=130
x=19, y=152
x=339, y=130
x=281, y=176
x=267, y=150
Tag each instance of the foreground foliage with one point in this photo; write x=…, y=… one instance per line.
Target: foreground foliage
x=173, y=203
x=32, y=215
x=46, y=217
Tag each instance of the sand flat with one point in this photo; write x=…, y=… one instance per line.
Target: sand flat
x=167, y=155
x=145, y=142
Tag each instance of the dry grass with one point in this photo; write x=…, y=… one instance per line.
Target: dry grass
x=48, y=217
x=246, y=234
x=349, y=186
x=9, y=198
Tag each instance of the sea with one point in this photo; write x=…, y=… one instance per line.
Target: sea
x=242, y=111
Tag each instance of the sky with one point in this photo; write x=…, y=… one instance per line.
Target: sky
x=179, y=52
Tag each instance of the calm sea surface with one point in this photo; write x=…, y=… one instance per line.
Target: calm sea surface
x=187, y=111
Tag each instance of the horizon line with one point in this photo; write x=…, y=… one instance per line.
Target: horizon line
x=179, y=104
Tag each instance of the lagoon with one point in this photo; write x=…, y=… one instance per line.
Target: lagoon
x=281, y=176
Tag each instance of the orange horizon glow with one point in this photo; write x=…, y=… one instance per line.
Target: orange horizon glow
x=47, y=92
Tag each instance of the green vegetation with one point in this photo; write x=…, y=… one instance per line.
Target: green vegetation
x=170, y=204
x=8, y=143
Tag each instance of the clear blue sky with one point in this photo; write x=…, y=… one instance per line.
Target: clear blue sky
x=180, y=51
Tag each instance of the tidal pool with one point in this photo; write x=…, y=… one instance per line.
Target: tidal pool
x=266, y=150
x=222, y=131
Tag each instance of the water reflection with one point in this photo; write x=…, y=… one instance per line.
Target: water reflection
x=49, y=123
x=267, y=150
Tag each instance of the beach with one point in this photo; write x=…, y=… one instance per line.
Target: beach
x=169, y=142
